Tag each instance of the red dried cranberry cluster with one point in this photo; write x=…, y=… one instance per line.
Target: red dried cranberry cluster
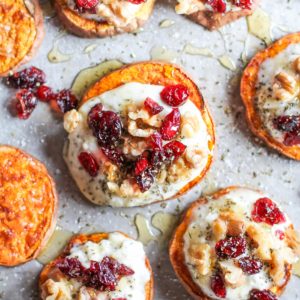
x=265, y=210
x=231, y=247
x=102, y=276
x=88, y=6
x=107, y=127
x=220, y=6
x=31, y=82
x=250, y=265
x=262, y=295
x=291, y=126
x=217, y=284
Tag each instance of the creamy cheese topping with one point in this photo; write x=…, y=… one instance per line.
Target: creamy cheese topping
x=82, y=139
x=240, y=201
x=266, y=104
x=119, y=13
x=126, y=251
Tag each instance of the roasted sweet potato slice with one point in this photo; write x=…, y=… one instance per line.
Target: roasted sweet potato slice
x=158, y=73
x=96, y=238
x=176, y=249
x=248, y=93
x=89, y=28
x=21, y=32
x=28, y=205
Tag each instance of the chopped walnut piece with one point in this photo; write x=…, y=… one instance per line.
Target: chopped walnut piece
x=134, y=130
x=72, y=119
x=280, y=258
x=133, y=146
x=233, y=275
x=127, y=189
x=143, y=115
x=263, y=240
x=193, y=156
x=111, y=171
x=86, y=294
x=297, y=65
x=177, y=171
x=201, y=255
x=293, y=239
x=219, y=229
x=56, y=290
x=187, y=7
x=189, y=125
x=235, y=225
x=285, y=86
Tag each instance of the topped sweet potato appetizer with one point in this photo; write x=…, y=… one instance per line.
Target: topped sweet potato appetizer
x=235, y=245
x=214, y=14
x=142, y=134
x=95, y=18
x=270, y=89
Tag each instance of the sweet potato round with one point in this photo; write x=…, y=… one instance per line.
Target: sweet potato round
x=177, y=254
x=96, y=238
x=21, y=34
x=158, y=73
x=90, y=28
x=28, y=204
x=248, y=93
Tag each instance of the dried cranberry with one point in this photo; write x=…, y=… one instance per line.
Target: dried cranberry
x=152, y=107
x=287, y=123
x=89, y=163
x=141, y=165
x=217, y=284
x=262, y=295
x=174, y=149
x=175, y=95
x=280, y=234
x=115, y=155
x=44, y=93
x=170, y=125
x=292, y=138
x=136, y=1
x=64, y=101
x=145, y=180
x=245, y=4
x=94, y=115
x=265, y=210
x=71, y=267
x=155, y=141
x=27, y=78
x=218, y=5
x=157, y=159
x=250, y=265
x=86, y=4
x=231, y=247
x=106, y=126
x=25, y=103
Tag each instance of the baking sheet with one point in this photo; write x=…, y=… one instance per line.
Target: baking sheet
x=239, y=158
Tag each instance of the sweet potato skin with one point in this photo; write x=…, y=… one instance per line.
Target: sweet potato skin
x=25, y=35
x=158, y=73
x=177, y=255
x=96, y=238
x=213, y=21
x=24, y=230
x=92, y=29
x=248, y=92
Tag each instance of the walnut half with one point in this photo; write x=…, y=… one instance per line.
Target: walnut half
x=201, y=256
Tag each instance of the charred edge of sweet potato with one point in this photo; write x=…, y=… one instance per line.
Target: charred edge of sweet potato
x=90, y=28
x=248, y=91
x=96, y=238
x=158, y=73
x=52, y=221
x=176, y=251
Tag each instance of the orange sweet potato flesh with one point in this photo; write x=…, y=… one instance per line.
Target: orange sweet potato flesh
x=158, y=73
x=21, y=32
x=96, y=238
x=248, y=93
x=176, y=252
x=28, y=205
